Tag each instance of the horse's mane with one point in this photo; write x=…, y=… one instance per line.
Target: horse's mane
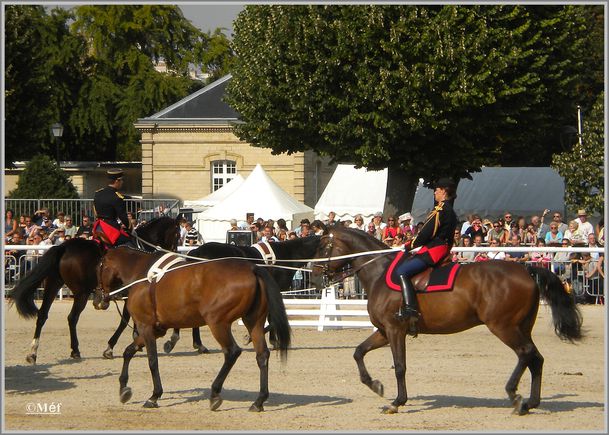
x=359, y=236
x=156, y=221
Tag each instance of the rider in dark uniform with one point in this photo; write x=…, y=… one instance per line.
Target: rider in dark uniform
x=109, y=205
x=435, y=239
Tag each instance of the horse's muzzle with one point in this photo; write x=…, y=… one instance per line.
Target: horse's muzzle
x=100, y=300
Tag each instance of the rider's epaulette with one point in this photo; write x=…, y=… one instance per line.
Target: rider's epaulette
x=99, y=190
x=120, y=195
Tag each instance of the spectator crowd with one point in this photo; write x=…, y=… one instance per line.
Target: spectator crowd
x=545, y=229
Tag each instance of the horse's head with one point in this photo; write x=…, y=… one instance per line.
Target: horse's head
x=336, y=246
x=163, y=231
x=331, y=245
x=109, y=277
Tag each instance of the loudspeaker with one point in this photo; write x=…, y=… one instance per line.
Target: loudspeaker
x=240, y=238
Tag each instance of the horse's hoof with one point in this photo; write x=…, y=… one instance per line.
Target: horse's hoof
x=520, y=406
x=168, y=346
x=75, y=355
x=202, y=349
x=215, y=402
x=150, y=404
x=377, y=387
x=256, y=408
x=125, y=394
x=31, y=358
x=108, y=354
x=389, y=409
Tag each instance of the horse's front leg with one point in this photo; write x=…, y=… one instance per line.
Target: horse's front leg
x=396, y=334
x=376, y=340
x=125, y=316
x=124, y=391
x=147, y=332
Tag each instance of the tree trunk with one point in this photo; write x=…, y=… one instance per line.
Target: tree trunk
x=401, y=188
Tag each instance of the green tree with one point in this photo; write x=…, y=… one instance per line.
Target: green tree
x=426, y=91
x=42, y=178
x=582, y=166
x=92, y=69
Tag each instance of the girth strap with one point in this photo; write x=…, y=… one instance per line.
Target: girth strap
x=266, y=251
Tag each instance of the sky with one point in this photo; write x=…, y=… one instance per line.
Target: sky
x=208, y=17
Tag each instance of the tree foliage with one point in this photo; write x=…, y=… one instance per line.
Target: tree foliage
x=582, y=166
x=92, y=69
x=427, y=91
x=42, y=178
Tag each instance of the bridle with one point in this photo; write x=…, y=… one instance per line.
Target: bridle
x=330, y=277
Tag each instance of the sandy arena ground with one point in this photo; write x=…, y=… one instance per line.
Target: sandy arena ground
x=455, y=382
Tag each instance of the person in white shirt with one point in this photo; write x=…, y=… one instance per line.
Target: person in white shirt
x=495, y=255
x=358, y=223
x=585, y=227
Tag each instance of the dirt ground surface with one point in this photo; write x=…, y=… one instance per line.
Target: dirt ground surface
x=455, y=382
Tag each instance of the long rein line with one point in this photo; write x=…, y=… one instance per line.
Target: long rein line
x=199, y=260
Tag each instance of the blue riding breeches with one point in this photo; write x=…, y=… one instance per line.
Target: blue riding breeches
x=410, y=267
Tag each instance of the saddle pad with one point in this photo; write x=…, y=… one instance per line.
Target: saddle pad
x=440, y=279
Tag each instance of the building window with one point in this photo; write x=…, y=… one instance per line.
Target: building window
x=222, y=171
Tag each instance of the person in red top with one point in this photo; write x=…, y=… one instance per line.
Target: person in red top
x=435, y=239
x=110, y=212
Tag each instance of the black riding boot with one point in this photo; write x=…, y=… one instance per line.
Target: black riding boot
x=409, y=310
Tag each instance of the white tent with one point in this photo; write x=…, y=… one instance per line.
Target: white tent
x=258, y=194
x=522, y=191
x=216, y=197
x=353, y=191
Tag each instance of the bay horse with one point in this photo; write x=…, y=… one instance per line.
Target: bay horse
x=74, y=263
x=213, y=293
x=295, y=249
x=502, y=295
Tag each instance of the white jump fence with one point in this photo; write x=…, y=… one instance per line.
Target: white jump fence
x=325, y=309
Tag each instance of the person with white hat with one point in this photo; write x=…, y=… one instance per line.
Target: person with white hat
x=406, y=223
x=585, y=227
x=109, y=208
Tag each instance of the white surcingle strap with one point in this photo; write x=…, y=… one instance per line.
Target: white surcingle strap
x=266, y=251
x=162, y=265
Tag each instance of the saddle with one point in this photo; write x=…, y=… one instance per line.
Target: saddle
x=438, y=278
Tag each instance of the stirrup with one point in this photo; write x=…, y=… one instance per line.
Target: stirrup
x=407, y=312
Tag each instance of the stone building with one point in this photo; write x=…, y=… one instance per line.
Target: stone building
x=189, y=150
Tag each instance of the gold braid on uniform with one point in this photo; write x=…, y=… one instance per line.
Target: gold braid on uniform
x=433, y=215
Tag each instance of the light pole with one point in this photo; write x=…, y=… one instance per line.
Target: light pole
x=57, y=132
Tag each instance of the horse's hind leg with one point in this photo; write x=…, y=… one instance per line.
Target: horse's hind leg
x=125, y=316
x=230, y=349
x=376, y=340
x=51, y=289
x=196, y=341
x=256, y=332
x=528, y=357
x=80, y=301
x=170, y=344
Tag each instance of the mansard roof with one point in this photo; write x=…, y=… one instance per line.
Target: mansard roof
x=202, y=107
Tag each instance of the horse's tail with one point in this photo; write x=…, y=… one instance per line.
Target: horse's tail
x=278, y=318
x=23, y=294
x=565, y=314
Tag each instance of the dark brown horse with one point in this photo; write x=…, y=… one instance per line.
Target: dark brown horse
x=502, y=295
x=74, y=263
x=213, y=293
